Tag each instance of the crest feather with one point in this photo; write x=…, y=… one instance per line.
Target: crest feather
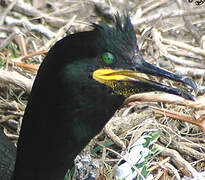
x=121, y=37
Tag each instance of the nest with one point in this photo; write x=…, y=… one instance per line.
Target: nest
x=170, y=35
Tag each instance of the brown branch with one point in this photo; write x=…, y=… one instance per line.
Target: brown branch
x=12, y=77
x=29, y=55
x=166, y=98
x=177, y=159
x=182, y=117
x=22, y=44
x=29, y=67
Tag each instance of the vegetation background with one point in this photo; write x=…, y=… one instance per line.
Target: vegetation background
x=171, y=34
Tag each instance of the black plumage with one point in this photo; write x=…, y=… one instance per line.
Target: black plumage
x=82, y=81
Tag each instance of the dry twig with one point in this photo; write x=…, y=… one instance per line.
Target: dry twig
x=179, y=162
x=12, y=77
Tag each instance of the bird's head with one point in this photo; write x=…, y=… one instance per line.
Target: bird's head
x=122, y=67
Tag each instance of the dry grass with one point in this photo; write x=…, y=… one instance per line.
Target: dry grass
x=170, y=34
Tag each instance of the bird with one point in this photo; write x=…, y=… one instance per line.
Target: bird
x=7, y=157
x=82, y=81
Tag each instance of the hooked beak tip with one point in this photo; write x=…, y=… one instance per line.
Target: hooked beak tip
x=191, y=83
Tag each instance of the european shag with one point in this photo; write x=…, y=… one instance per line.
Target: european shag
x=80, y=84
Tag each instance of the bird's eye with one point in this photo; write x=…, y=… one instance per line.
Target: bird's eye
x=108, y=58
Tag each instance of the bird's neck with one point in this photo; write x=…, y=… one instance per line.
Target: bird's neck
x=65, y=110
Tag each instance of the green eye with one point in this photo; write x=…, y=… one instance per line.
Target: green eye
x=108, y=58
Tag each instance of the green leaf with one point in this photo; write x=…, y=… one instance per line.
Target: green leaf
x=69, y=174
